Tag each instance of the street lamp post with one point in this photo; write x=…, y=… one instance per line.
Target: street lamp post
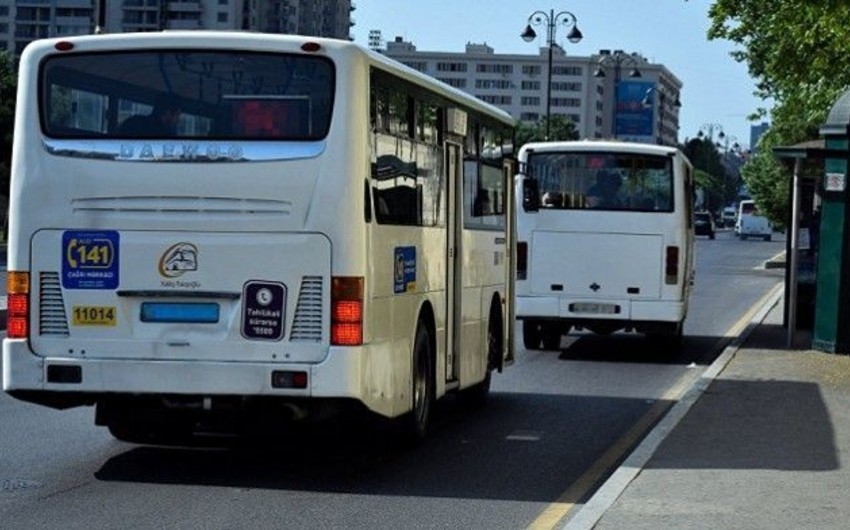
x=551, y=20
x=616, y=59
x=662, y=107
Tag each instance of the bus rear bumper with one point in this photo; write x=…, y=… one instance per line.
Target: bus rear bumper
x=26, y=374
x=553, y=307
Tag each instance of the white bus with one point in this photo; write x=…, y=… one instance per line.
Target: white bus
x=604, y=240
x=294, y=225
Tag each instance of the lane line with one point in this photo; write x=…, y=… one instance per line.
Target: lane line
x=556, y=511
x=592, y=511
x=566, y=502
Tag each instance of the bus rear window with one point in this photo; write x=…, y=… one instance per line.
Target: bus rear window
x=603, y=181
x=223, y=95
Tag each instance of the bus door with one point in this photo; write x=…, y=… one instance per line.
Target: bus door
x=454, y=268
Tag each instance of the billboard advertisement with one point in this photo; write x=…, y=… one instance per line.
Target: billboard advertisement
x=634, y=118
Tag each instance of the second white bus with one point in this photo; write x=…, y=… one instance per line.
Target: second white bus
x=605, y=239
x=290, y=225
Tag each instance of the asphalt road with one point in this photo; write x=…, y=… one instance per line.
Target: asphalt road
x=557, y=424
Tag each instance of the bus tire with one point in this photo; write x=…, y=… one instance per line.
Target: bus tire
x=418, y=420
x=530, y=335
x=477, y=394
x=551, y=337
x=670, y=335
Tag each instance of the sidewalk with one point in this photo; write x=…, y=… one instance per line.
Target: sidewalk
x=757, y=445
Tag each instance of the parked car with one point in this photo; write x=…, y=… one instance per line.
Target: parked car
x=704, y=224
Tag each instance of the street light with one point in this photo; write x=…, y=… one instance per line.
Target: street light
x=616, y=59
x=662, y=106
x=551, y=20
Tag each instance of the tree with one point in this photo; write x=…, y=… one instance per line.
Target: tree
x=799, y=55
x=710, y=175
x=561, y=128
x=8, y=91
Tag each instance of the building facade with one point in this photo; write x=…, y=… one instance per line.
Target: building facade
x=593, y=92
x=22, y=21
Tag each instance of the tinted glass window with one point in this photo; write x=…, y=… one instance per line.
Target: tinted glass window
x=187, y=94
x=604, y=180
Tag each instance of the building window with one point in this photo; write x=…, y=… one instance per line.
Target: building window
x=566, y=102
x=451, y=67
x=530, y=101
x=529, y=116
x=494, y=68
x=567, y=70
x=495, y=100
x=419, y=66
x=531, y=85
x=531, y=69
x=452, y=81
x=493, y=83
x=564, y=86
x=222, y=17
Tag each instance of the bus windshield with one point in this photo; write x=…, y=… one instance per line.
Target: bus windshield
x=603, y=181
x=223, y=95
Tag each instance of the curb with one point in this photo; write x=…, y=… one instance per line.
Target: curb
x=593, y=510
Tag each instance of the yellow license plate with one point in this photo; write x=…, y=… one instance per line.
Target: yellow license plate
x=91, y=315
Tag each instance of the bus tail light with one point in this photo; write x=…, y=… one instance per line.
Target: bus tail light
x=347, y=310
x=17, y=304
x=521, y=260
x=671, y=266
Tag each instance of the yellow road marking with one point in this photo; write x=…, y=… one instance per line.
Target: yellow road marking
x=557, y=510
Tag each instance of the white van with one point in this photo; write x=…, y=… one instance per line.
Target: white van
x=750, y=223
x=621, y=263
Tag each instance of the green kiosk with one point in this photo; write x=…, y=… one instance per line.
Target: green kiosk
x=818, y=264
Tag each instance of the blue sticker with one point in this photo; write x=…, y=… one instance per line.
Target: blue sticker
x=90, y=259
x=404, y=267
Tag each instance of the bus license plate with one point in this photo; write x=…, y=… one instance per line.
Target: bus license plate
x=89, y=315
x=595, y=308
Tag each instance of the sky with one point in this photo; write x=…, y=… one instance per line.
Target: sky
x=717, y=91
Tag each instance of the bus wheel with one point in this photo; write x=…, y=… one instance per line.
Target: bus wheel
x=530, y=335
x=419, y=419
x=551, y=337
x=477, y=394
x=670, y=336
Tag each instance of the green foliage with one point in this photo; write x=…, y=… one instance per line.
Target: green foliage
x=799, y=55
x=8, y=91
x=719, y=185
x=561, y=129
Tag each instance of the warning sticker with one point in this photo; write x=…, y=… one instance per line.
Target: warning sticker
x=263, y=310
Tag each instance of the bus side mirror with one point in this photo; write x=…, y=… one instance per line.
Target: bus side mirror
x=530, y=195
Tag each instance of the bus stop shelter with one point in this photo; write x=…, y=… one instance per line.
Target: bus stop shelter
x=831, y=327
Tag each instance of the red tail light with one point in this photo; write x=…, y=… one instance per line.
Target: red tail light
x=347, y=311
x=521, y=260
x=18, y=304
x=671, y=266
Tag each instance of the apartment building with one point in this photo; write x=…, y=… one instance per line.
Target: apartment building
x=22, y=21
x=606, y=95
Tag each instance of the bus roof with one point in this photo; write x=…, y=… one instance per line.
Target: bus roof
x=233, y=39
x=599, y=145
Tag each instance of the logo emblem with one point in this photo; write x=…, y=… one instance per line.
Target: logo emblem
x=595, y=287
x=178, y=259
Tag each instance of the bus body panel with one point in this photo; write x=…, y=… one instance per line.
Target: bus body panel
x=224, y=273
x=599, y=265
